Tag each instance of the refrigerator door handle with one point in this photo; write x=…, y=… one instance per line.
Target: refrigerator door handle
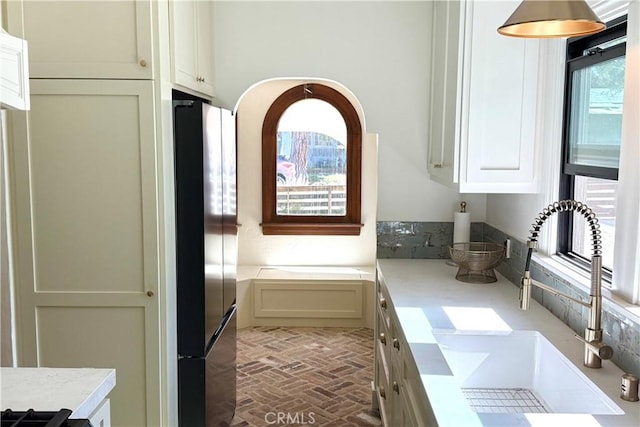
x=223, y=325
x=183, y=103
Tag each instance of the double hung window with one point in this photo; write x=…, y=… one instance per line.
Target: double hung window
x=594, y=90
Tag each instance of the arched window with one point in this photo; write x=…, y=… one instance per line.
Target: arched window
x=311, y=163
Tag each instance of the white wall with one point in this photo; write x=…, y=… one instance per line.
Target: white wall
x=378, y=50
x=514, y=213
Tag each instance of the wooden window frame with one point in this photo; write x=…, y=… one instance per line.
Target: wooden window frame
x=348, y=224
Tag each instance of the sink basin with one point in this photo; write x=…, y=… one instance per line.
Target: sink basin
x=524, y=366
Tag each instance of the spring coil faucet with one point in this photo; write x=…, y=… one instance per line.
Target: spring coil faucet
x=595, y=350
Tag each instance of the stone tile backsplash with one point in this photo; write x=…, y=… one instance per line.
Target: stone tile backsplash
x=427, y=240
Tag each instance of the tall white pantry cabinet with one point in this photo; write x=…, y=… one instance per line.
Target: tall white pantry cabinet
x=91, y=176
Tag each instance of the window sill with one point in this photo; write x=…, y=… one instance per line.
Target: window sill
x=311, y=229
x=582, y=281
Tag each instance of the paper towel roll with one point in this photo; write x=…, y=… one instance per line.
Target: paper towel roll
x=461, y=227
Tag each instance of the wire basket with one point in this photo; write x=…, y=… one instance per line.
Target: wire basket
x=476, y=261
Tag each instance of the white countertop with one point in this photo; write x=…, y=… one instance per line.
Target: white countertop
x=51, y=389
x=426, y=296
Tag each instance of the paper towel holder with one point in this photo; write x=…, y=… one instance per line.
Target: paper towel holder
x=461, y=224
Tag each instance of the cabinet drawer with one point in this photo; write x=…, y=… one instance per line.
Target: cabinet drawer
x=414, y=396
x=383, y=339
x=395, y=343
x=384, y=305
x=383, y=321
x=382, y=385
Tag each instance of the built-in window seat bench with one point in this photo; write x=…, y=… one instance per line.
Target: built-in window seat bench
x=305, y=296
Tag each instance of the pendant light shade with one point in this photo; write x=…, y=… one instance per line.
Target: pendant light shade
x=549, y=18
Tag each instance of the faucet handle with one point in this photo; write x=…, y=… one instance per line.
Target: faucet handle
x=599, y=348
x=525, y=291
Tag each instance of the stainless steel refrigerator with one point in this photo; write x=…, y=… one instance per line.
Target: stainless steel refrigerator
x=206, y=254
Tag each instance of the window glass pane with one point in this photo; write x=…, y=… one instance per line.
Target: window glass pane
x=596, y=114
x=599, y=195
x=311, y=169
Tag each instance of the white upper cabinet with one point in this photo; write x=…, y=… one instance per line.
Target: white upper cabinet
x=191, y=32
x=483, y=100
x=85, y=39
x=14, y=72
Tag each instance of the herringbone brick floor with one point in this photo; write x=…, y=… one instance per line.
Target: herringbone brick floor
x=305, y=376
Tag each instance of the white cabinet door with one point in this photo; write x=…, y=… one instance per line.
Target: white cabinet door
x=205, y=46
x=498, y=131
x=446, y=75
x=83, y=174
x=484, y=101
x=183, y=22
x=192, y=45
x=85, y=38
x=14, y=72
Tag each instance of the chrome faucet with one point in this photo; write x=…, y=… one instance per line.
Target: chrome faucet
x=594, y=350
